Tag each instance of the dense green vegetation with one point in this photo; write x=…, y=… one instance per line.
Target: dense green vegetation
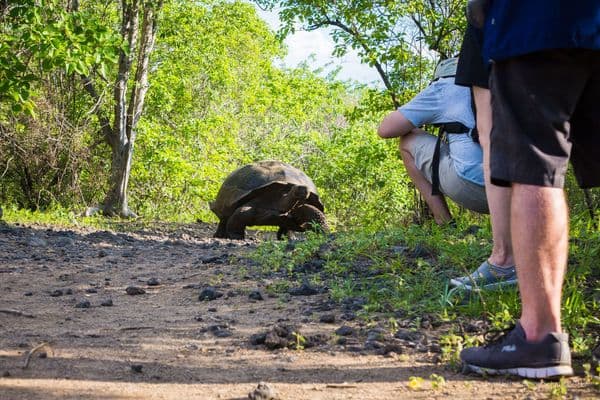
x=216, y=100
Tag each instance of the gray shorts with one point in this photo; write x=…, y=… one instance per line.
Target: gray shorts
x=463, y=192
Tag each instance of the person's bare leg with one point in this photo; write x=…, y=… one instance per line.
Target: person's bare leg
x=394, y=125
x=498, y=197
x=437, y=204
x=540, y=222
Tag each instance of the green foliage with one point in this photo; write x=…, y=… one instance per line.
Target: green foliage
x=395, y=37
x=277, y=256
x=217, y=102
x=415, y=383
x=591, y=376
x=48, y=151
x=438, y=382
x=451, y=344
x=299, y=341
x=39, y=36
x=558, y=390
x=51, y=158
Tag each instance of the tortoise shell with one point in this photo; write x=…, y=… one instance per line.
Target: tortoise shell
x=268, y=179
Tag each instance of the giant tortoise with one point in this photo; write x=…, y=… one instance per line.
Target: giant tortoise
x=267, y=193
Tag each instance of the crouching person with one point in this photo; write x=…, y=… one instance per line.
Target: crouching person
x=456, y=169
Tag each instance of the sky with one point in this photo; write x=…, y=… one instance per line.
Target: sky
x=315, y=47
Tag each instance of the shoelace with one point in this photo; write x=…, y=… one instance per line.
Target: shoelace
x=495, y=337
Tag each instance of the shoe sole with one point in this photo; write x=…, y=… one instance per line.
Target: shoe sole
x=455, y=283
x=490, y=286
x=533, y=373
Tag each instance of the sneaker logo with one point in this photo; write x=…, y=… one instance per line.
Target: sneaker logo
x=509, y=348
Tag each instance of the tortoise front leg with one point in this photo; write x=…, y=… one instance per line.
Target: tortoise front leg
x=250, y=215
x=287, y=224
x=221, y=229
x=241, y=217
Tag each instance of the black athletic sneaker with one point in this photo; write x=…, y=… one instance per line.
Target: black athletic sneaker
x=513, y=355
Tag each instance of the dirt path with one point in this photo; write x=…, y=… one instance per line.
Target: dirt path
x=66, y=293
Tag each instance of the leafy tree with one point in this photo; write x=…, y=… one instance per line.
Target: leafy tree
x=217, y=102
x=42, y=36
x=138, y=28
x=44, y=46
x=388, y=35
x=38, y=36
x=212, y=64
x=47, y=158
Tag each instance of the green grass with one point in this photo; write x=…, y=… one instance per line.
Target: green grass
x=70, y=218
x=405, y=271
x=56, y=216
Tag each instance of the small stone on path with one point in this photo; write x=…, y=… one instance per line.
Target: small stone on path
x=258, y=338
x=263, y=392
x=255, y=295
x=134, y=290
x=345, y=330
x=304, y=290
x=137, y=368
x=153, y=282
x=209, y=294
x=327, y=319
x=107, y=303
x=83, y=304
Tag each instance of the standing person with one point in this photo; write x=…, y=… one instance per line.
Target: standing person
x=499, y=269
x=460, y=170
x=545, y=85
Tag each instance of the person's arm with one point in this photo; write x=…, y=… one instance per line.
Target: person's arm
x=477, y=11
x=394, y=125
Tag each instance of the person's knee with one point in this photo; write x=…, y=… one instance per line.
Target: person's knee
x=406, y=143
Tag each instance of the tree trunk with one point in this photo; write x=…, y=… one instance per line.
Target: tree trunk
x=116, y=201
x=121, y=137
